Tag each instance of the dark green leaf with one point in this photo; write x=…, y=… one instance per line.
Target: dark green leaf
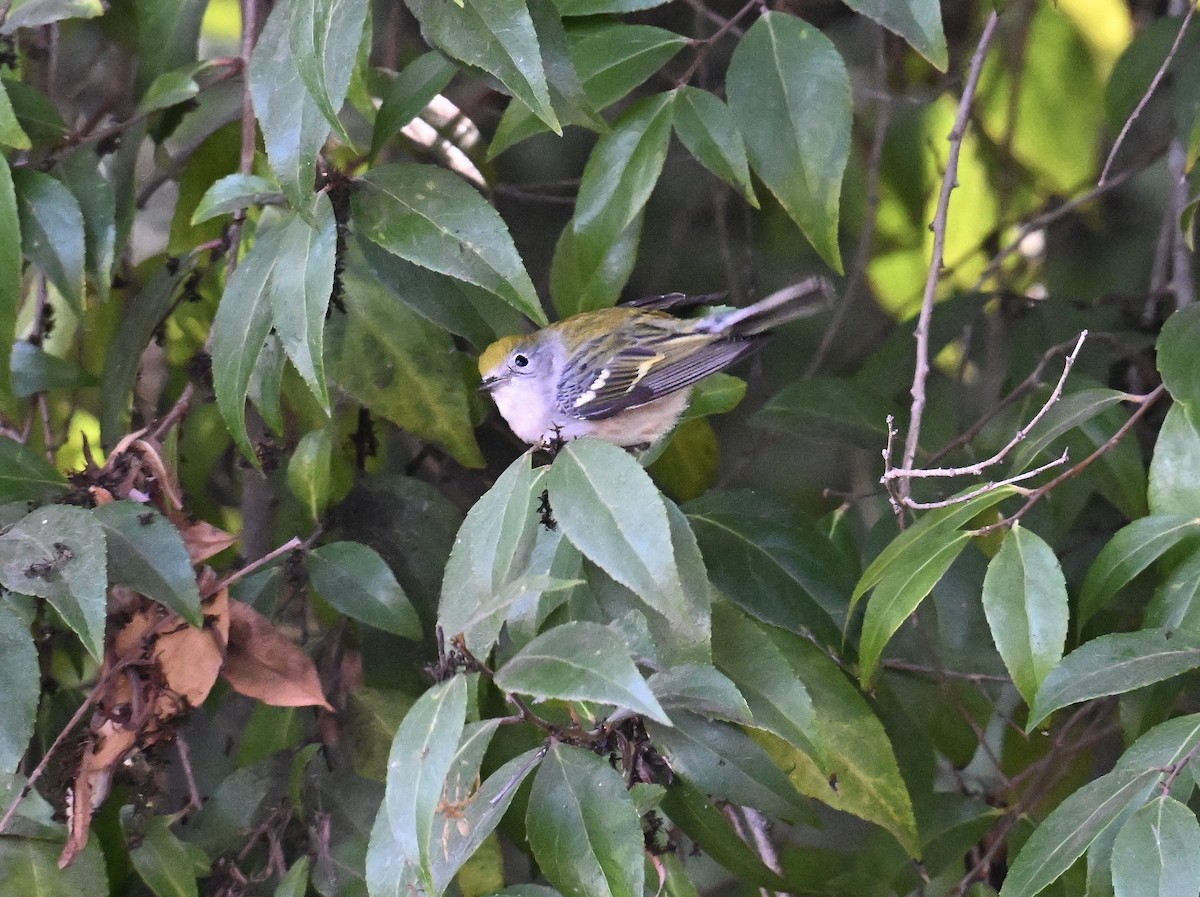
x=295, y=882
x=11, y=132
x=35, y=113
x=771, y=562
x=19, y=683
x=10, y=279
x=167, y=31
x=35, y=371
x=700, y=689
x=52, y=232
x=497, y=36
x=1158, y=851
x=31, y=867
x=293, y=127
x=1174, y=605
x=705, y=126
x=604, y=7
x=410, y=92
x=620, y=173
x=1113, y=665
x=1129, y=552
x=308, y=472
x=146, y=553
x=917, y=21
x=724, y=762
x=582, y=827
x=94, y=193
x=1175, y=466
x=169, y=89
x=1067, y=413
x=433, y=219
x=828, y=409
x=405, y=369
x=1176, y=356
x=143, y=315
x=25, y=476
x=233, y=193
x=356, y=581
x=790, y=95
x=1025, y=599
x=580, y=661
x=324, y=36
x=300, y=286
x=161, y=859
x=57, y=553
x=717, y=394
x=566, y=88
x=579, y=282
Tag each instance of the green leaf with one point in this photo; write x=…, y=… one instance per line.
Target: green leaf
x=25, y=476
x=1175, y=466
x=31, y=13
x=580, y=661
x=716, y=394
x=31, y=867
x=497, y=36
x=166, y=36
x=725, y=763
x=621, y=171
x=1025, y=599
x=917, y=21
x=10, y=279
x=420, y=760
x=1158, y=852
x=52, y=232
x=856, y=751
x=324, y=36
x=57, y=553
x=828, y=408
x=293, y=126
x=770, y=561
x=94, y=193
x=405, y=369
x=300, y=287
x=790, y=96
x=35, y=371
x=1113, y=665
x=1134, y=548
x=146, y=552
x=161, y=859
x=705, y=126
x=700, y=689
x=491, y=549
x=580, y=282
x=1174, y=605
x=433, y=219
x=410, y=92
x=698, y=816
x=35, y=113
x=295, y=882
x=241, y=325
x=1067, y=413
x=11, y=132
x=233, y=193
x=608, y=507
x=1067, y=832
x=610, y=58
x=356, y=581
x=19, y=683
x=566, y=88
x=1176, y=356
x=169, y=89
x=604, y=7
x=778, y=700
x=582, y=826
x=308, y=472
x=141, y=319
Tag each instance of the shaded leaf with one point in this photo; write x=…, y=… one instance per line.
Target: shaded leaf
x=705, y=126
x=324, y=36
x=410, y=92
x=580, y=661
x=828, y=408
x=1067, y=413
x=161, y=859
x=19, y=683
x=917, y=21
x=1176, y=356
x=233, y=193
x=52, y=232
x=26, y=476
x=31, y=13
x=94, y=193
x=702, y=690
x=1174, y=482
x=1158, y=852
x=582, y=282
x=10, y=279
x=790, y=96
x=355, y=580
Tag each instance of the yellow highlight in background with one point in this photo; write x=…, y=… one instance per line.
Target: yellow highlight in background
x=70, y=455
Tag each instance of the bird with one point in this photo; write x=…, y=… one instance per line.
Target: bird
x=625, y=374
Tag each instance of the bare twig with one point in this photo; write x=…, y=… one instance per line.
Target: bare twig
x=1154, y=82
x=256, y=564
x=940, y=220
x=986, y=487
x=980, y=466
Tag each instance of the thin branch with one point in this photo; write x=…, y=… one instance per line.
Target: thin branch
x=980, y=466
x=986, y=487
x=257, y=563
x=940, y=220
x=1154, y=82
x=940, y=673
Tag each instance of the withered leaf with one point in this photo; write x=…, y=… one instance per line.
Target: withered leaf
x=260, y=663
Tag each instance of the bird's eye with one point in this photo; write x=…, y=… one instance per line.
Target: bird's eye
x=521, y=361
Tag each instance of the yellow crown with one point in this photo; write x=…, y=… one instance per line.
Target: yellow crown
x=494, y=354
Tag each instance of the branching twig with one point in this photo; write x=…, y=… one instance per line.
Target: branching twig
x=257, y=563
x=986, y=487
x=940, y=220
x=1154, y=82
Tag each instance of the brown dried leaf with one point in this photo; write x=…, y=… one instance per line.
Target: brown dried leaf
x=260, y=663
x=191, y=658
x=107, y=747
x=202, y=539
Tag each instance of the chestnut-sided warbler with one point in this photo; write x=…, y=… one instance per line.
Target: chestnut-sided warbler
x=625, y=374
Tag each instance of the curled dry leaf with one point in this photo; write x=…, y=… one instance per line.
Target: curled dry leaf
x=201, y=539
x=261, y=663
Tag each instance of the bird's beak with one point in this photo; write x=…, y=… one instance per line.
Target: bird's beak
x=489, y=383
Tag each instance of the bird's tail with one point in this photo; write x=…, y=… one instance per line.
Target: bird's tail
x=799, y=300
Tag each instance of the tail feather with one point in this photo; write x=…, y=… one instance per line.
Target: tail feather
x=808, y=297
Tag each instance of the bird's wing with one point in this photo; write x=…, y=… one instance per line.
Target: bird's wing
x=642, y=367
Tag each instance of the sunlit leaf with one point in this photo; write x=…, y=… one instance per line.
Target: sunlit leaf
x=308, y=472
